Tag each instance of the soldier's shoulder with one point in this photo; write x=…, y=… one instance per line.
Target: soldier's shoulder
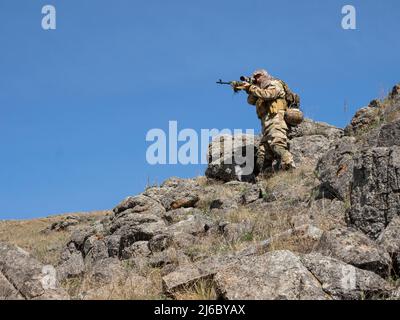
x=277, y=83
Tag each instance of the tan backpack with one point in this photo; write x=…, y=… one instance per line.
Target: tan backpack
x=292, y=99
x=293, y=116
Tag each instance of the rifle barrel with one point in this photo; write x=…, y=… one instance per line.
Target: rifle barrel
x=223, y=82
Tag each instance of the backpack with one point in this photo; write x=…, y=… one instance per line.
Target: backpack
x=292, y=99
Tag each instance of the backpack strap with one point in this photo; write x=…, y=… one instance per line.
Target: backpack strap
x=292, y=99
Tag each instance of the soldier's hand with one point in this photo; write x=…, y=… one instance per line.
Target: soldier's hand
x=238, y=86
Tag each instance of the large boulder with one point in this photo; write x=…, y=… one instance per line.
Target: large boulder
x=188, y=274
x=335, y=170
x=309, y=149
x=365, y=119
x=312, y=128
x=343, y=281
x=22, y=276
x=71, y=264
x=355, y=248
x=375, y=197
x=310, y=140
x=175, y=193
x=390, y=241
x=277, y=275
x=7, y=290
x=389, y=135
x=139, y=204
x=233, y=158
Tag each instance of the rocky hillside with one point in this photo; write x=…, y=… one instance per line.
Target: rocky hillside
x=329, y=230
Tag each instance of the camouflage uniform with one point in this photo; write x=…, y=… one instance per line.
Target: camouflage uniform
x=269, y=98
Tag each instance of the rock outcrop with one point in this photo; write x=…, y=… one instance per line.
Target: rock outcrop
x=375, y=197
x=23, y=277
x=326, y=231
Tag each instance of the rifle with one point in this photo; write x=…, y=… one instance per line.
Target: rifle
x=237, y=85
x=225, y=83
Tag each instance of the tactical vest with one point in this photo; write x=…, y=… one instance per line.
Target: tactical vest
x=291, y=100
x=270, y=107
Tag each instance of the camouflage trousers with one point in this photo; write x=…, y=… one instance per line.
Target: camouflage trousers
x=274, y=143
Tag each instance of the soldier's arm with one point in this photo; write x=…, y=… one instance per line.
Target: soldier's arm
x=252, y=100
x=273, y=91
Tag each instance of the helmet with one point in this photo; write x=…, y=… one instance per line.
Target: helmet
x=294, y=116
x=261, y=72
x=264, y=78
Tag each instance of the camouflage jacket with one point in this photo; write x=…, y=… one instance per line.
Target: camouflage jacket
x=269, y=100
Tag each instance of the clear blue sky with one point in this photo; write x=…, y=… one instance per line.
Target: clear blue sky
x=76, y=103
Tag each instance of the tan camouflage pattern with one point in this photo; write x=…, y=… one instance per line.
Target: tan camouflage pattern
x=273, y=91
x=268, y=100
x=271, y=106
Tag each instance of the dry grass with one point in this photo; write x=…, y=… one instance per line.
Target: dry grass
x=27, y=235
x=293, y=243
x=266, y=222
x=297, y=182
x=214, y=191
x=201, y=290
x=131, y=287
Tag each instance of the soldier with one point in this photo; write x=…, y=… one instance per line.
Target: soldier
x=268, y=95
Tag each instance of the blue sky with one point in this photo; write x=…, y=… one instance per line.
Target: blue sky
x=76, y=102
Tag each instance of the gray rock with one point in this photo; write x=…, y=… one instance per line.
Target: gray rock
x=133, y=226
x=182, y=240
x=335, y=170
x=137, y=249
x=194, y=225
x=113, y=244
x=180, y=214
x=335, y=210
x=250, y=194
x=311, y=128
x=160, y=242
x=224, y=204
x=365, y=119
x=395, y=94
x=175, y=193
x=7, y=290
x=390, y=241
x=375, y=196
x=395, y=294
x=142, y=232
x=64, y=224
x=342, y=281
x=79, y=237
x=106, y=271
x=181, y=278
x=30, y=278
x=186, y=275
x=72, y=264
x=277, y=275
x=355, y=248
x=167, y=257
x=309, y=149
x=389, y=135
x=140, y=204
x=229, y=155
x=95, y=250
